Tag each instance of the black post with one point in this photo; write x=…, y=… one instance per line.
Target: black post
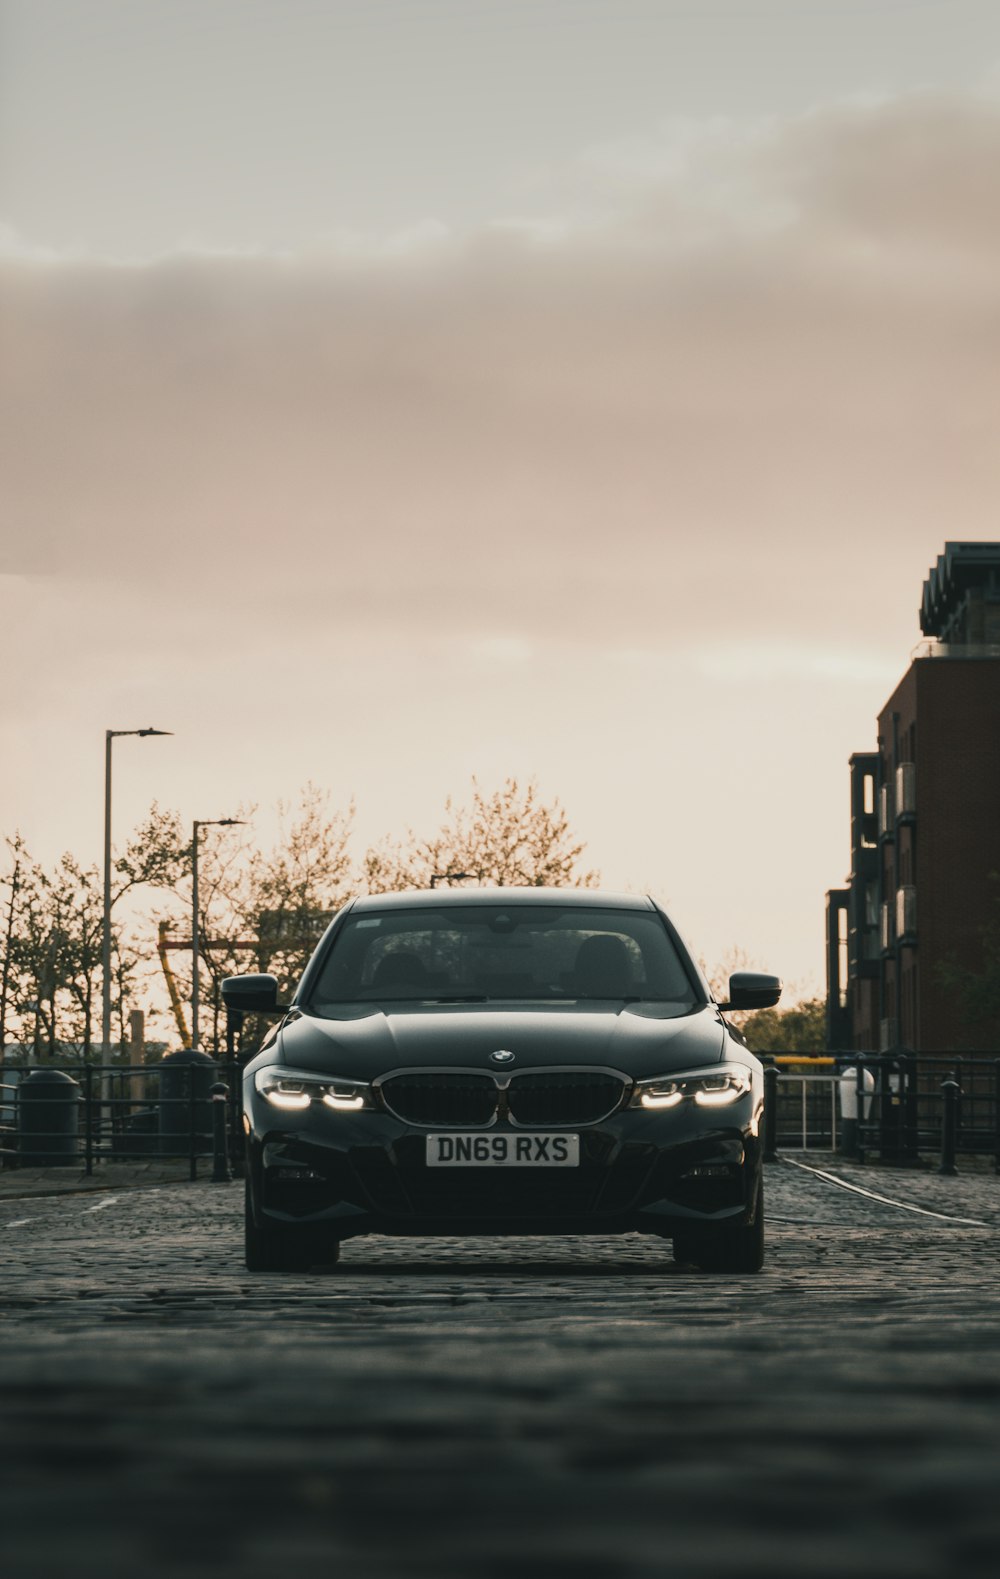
x=900, y=1138
x=886, y=1116
x=220, y=1150
x=859, y=1143
x=996, y=1114
x=88, y=1118
x=771, y=1113
x=911, y=1131
x=949, y=1126
x=234, y=1024
x=192, y=1120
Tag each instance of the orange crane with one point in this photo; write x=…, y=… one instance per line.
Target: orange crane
x=164, y=943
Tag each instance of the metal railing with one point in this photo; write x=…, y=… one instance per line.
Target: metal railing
x=808, y=1110
x=86, y=1114
x=907, y=1105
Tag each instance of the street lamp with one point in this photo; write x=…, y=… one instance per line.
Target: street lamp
x=109, y=735
x=208, y=822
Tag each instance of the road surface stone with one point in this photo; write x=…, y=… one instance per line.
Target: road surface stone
x=456, y=1408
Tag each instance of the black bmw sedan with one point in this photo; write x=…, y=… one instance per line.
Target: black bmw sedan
x=502, y=1061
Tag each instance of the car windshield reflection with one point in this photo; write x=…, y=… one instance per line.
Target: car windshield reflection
x=510, y=954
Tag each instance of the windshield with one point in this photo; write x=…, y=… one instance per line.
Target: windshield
x=512, y=953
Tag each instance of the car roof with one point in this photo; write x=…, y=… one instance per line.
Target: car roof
x=443, y=898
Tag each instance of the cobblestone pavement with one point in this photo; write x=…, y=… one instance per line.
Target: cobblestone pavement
x=26, y=1183
x=454, y=1409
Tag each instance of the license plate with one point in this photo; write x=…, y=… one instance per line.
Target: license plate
x=503, y=1151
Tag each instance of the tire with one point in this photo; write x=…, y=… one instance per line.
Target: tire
x=686, y=1249
x=287, y=1249
x=732, y=1247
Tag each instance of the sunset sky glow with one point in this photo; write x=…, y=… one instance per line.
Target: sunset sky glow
x=394, y=392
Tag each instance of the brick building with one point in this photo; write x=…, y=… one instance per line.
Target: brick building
x=925, y=827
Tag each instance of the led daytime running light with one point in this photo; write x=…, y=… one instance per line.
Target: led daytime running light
x=293, y=1091
x=341, y=1103
x=661, y=1099
x=711, y=1088
x=288, y=1099
x=719, y=1098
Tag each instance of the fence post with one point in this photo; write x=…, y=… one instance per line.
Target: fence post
x=771, y=1113
x=192, y=1121
x=888, y=1106
x=220, y=1169
x=949, y=1126
x=88, y=1119
x=911, y=1131
x=234, y=1024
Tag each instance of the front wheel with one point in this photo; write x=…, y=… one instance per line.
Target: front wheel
x=730, y=1247
x=284, y=1248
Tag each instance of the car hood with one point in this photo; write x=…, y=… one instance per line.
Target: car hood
x=639, y=1039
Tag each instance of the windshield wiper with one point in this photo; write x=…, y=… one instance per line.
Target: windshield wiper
x=612, y=997
x=454, y=997
x=424, y=997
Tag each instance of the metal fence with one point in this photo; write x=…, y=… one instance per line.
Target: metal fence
x=808, y=1116
x=86, y=1114
x=902, y=1106
x=905, y=1106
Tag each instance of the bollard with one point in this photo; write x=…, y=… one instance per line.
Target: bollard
x=48, y=1120
x=887, y=1084
x=949, y=1126
x=771, y=1113
x=855, y=1086
x=184, y=1079
x=220, y=1170
x=862, y=1076
x=996, y=1115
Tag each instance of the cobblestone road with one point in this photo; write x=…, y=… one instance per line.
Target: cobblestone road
x=453, y=1409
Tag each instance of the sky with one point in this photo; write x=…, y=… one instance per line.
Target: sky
x=400, y=390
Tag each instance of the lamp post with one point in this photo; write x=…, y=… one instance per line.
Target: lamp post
x=208, y=822
x=109, y=736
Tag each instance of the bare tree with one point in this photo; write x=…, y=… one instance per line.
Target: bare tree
x=508, y=838
x=266, y=909
x=158, y=854
x=262, y=909
x=53, y=954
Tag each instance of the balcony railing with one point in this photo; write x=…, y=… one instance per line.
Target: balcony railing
x=932, y=648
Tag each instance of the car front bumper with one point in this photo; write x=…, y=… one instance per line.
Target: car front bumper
x=363, y=1173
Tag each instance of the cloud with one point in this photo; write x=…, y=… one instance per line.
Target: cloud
x=728, y=391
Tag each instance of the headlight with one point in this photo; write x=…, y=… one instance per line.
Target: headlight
x=718, y=1087
x=296, y=1089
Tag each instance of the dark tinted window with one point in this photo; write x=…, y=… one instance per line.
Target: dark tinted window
x=510, y=953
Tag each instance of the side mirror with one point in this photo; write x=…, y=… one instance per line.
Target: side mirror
x=748, y=989
x=252, y=994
